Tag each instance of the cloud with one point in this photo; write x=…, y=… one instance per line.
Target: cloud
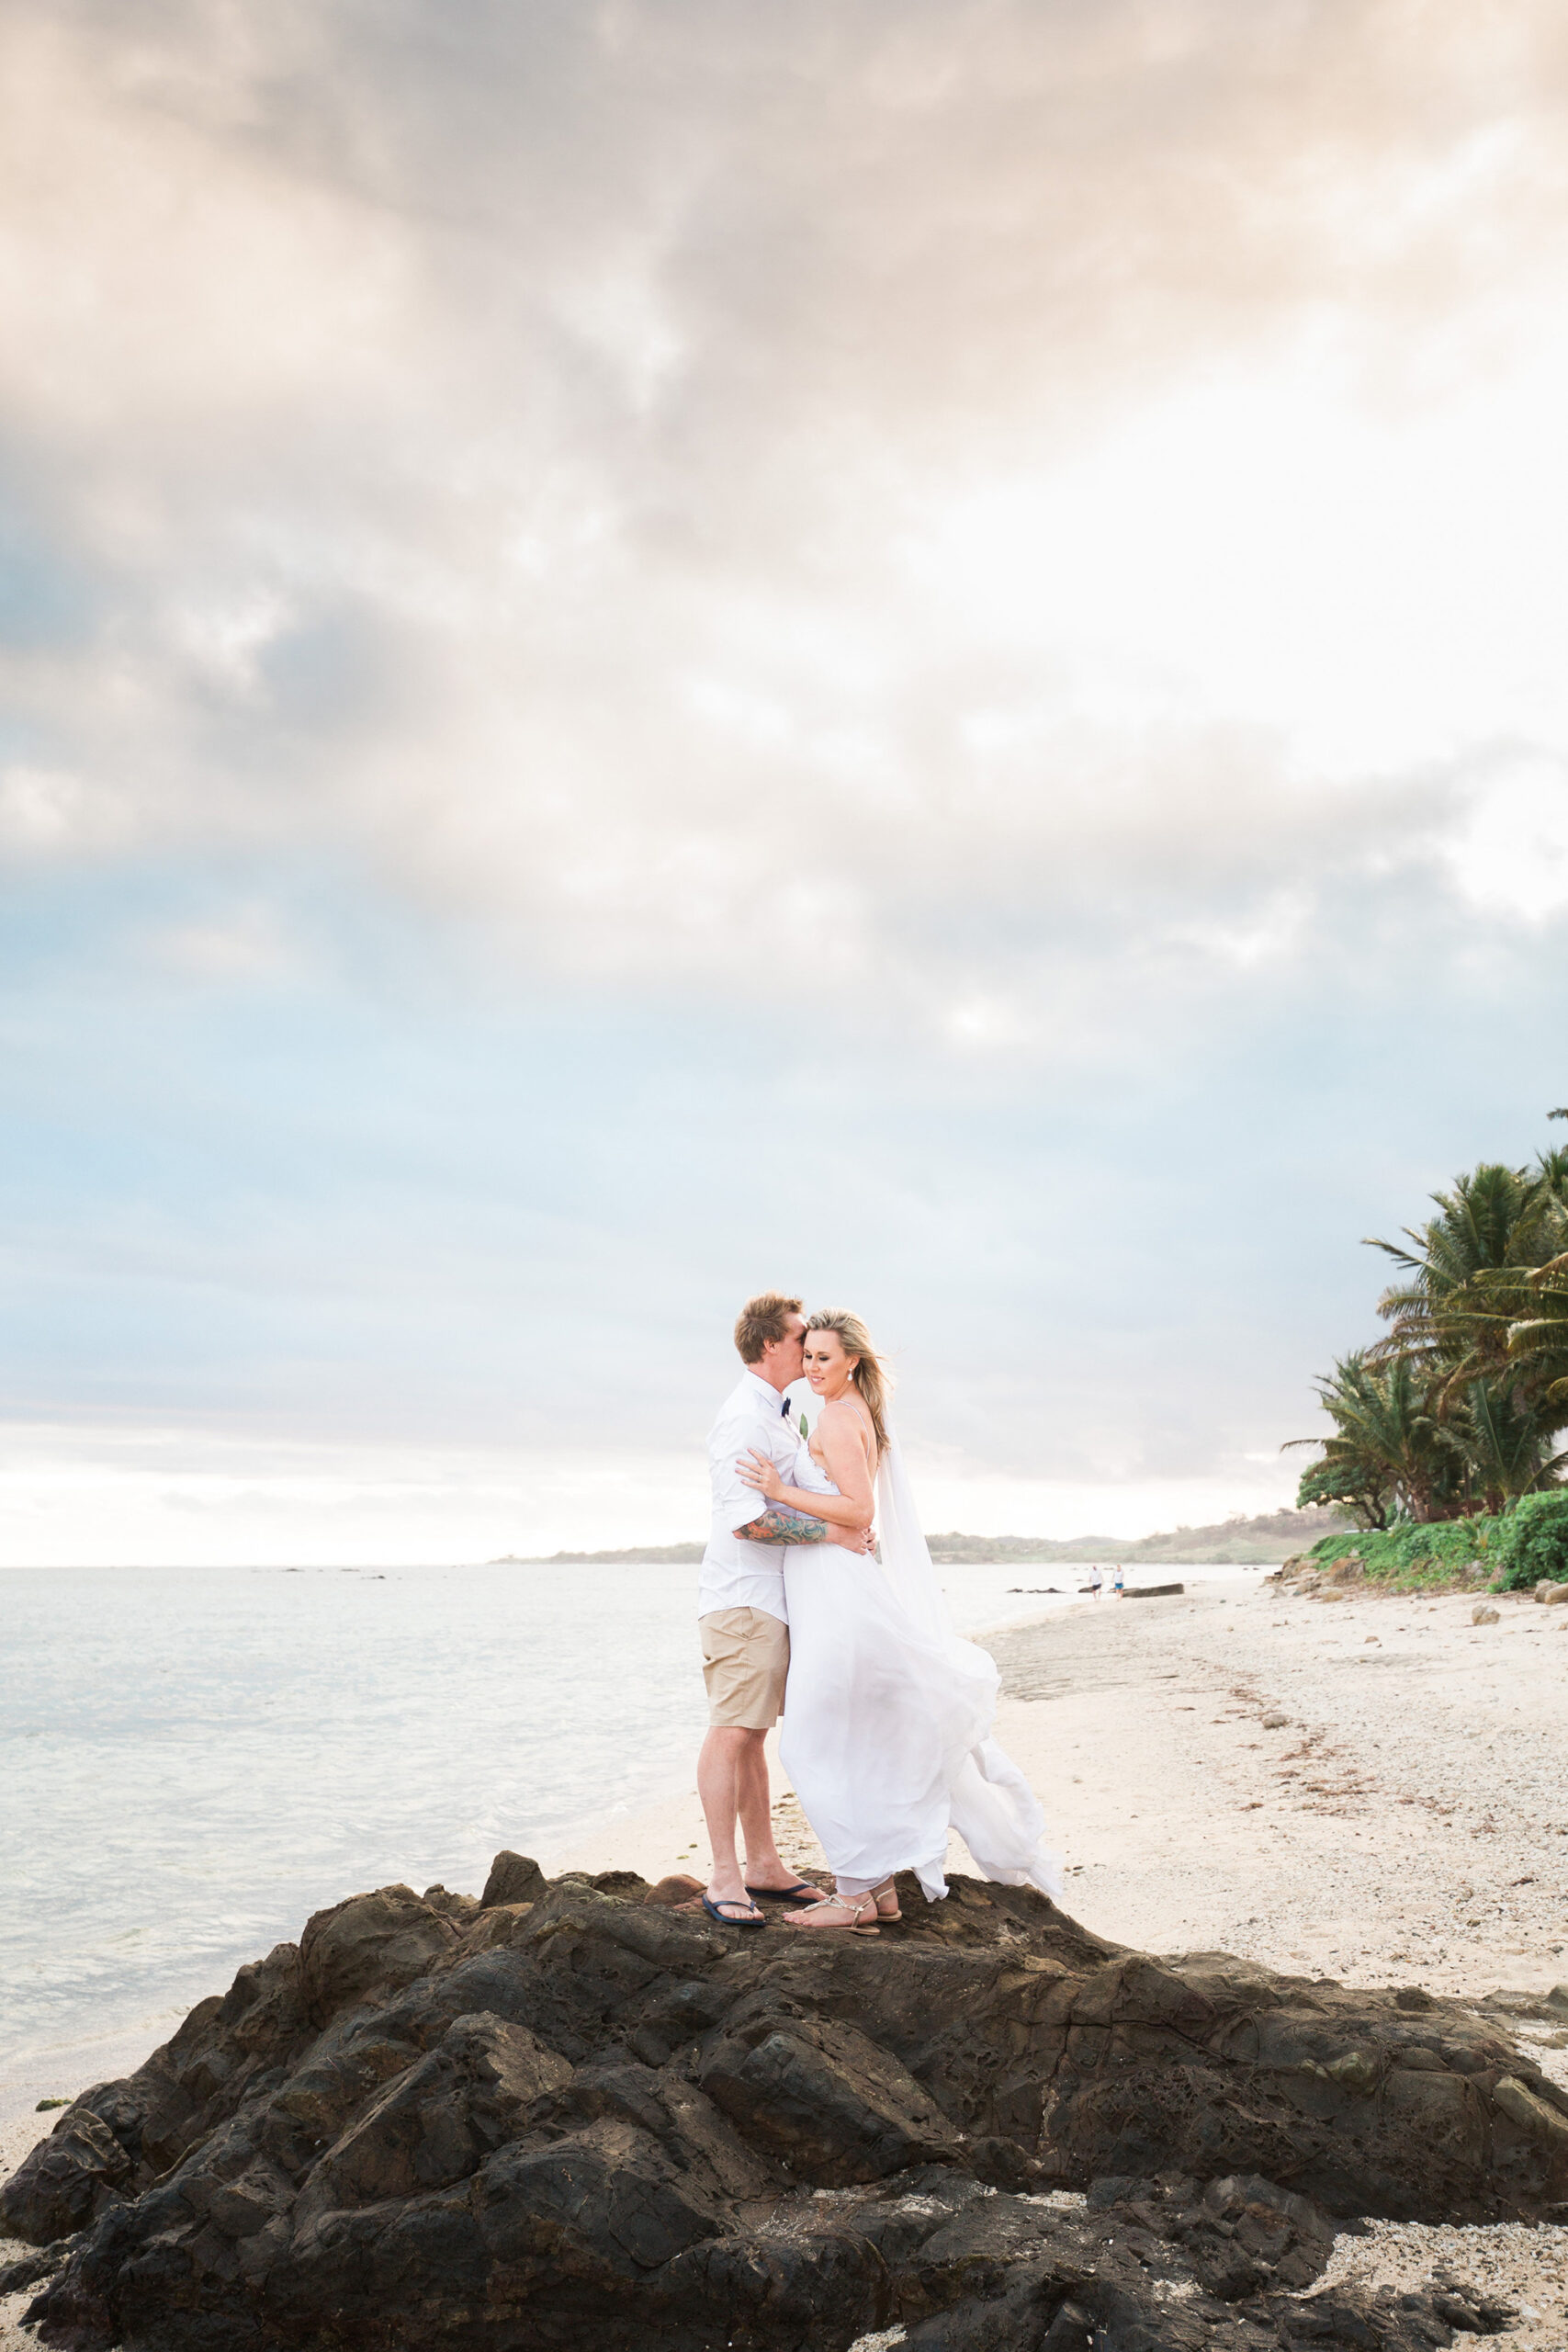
x=585, y=464
x=1509, y=855
x=246, y=943
x=1021, y=546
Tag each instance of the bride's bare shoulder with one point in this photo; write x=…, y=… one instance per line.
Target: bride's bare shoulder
x=842, y=1417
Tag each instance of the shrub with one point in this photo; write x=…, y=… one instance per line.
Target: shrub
x=1535, y=1541
x=1417, y=1556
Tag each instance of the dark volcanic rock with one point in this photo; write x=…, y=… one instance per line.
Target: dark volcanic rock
x=514, y=1878
x=441, y=2117
x=1240, y=2236
x=368, y=1947
x=827, y=2099
x=574, y=2116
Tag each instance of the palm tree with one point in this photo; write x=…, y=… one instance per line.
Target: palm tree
x=1388, y=1445
x=1467, y=1265
x=1537, y=1338
x=1460, y=1399
x=1502, y=1439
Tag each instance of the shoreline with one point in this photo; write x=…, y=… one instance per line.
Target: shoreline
x=1367, y=1836
x=1107, y=1709
x=1369, y=1788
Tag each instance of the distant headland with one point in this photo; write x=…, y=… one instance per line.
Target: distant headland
x=1260, y=1542
x=641, y=1554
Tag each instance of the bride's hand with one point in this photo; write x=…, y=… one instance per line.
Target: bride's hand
x=759, y=1472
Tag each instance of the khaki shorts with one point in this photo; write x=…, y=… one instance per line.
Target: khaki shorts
x=745, y=1661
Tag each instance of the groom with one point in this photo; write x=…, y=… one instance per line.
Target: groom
x=743, y=1618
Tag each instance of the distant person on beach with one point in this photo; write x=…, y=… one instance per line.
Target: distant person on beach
x=1118, y=1582
x=743, y=1617
x=1095, y=1581
x=887, y=1721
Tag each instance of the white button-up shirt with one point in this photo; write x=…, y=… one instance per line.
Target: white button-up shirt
x=737, y=1574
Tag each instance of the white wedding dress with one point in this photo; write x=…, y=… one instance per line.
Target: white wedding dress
x=886, y=1730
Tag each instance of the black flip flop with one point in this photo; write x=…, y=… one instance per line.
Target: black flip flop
x=731, y=1902
x=801, y=1892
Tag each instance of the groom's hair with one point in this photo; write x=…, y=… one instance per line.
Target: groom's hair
x=763, y=1318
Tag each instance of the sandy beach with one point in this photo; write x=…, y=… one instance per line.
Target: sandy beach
x=1372, y=1789
x=1405, y=1820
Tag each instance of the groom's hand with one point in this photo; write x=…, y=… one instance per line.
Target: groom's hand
x=862, y=1539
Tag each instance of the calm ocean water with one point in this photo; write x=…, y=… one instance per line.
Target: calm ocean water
x=194, y=1760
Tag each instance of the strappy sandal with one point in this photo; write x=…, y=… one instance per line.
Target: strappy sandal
x=854, y=1906
x=887, y=1893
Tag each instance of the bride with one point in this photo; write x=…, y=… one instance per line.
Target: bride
x=887, y=1714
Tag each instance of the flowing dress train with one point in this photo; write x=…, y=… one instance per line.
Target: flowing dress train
x=886, y=1730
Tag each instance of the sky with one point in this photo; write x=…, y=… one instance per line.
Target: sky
x=649, y=650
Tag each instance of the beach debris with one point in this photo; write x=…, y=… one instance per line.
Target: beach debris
x=584, y=2116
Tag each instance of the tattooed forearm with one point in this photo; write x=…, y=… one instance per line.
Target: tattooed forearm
x=778, y=1526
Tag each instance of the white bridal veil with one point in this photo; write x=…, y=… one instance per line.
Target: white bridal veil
x=993, y=1807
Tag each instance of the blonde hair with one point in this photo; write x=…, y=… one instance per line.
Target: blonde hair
x=763, y=1318
x=871, y=1378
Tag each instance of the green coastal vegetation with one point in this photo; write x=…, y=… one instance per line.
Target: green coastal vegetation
x=1443, y=1448
x=1512, y=1550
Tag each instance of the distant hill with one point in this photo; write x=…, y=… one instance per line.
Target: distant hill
x=1233, y=1543
x=643, y=1554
